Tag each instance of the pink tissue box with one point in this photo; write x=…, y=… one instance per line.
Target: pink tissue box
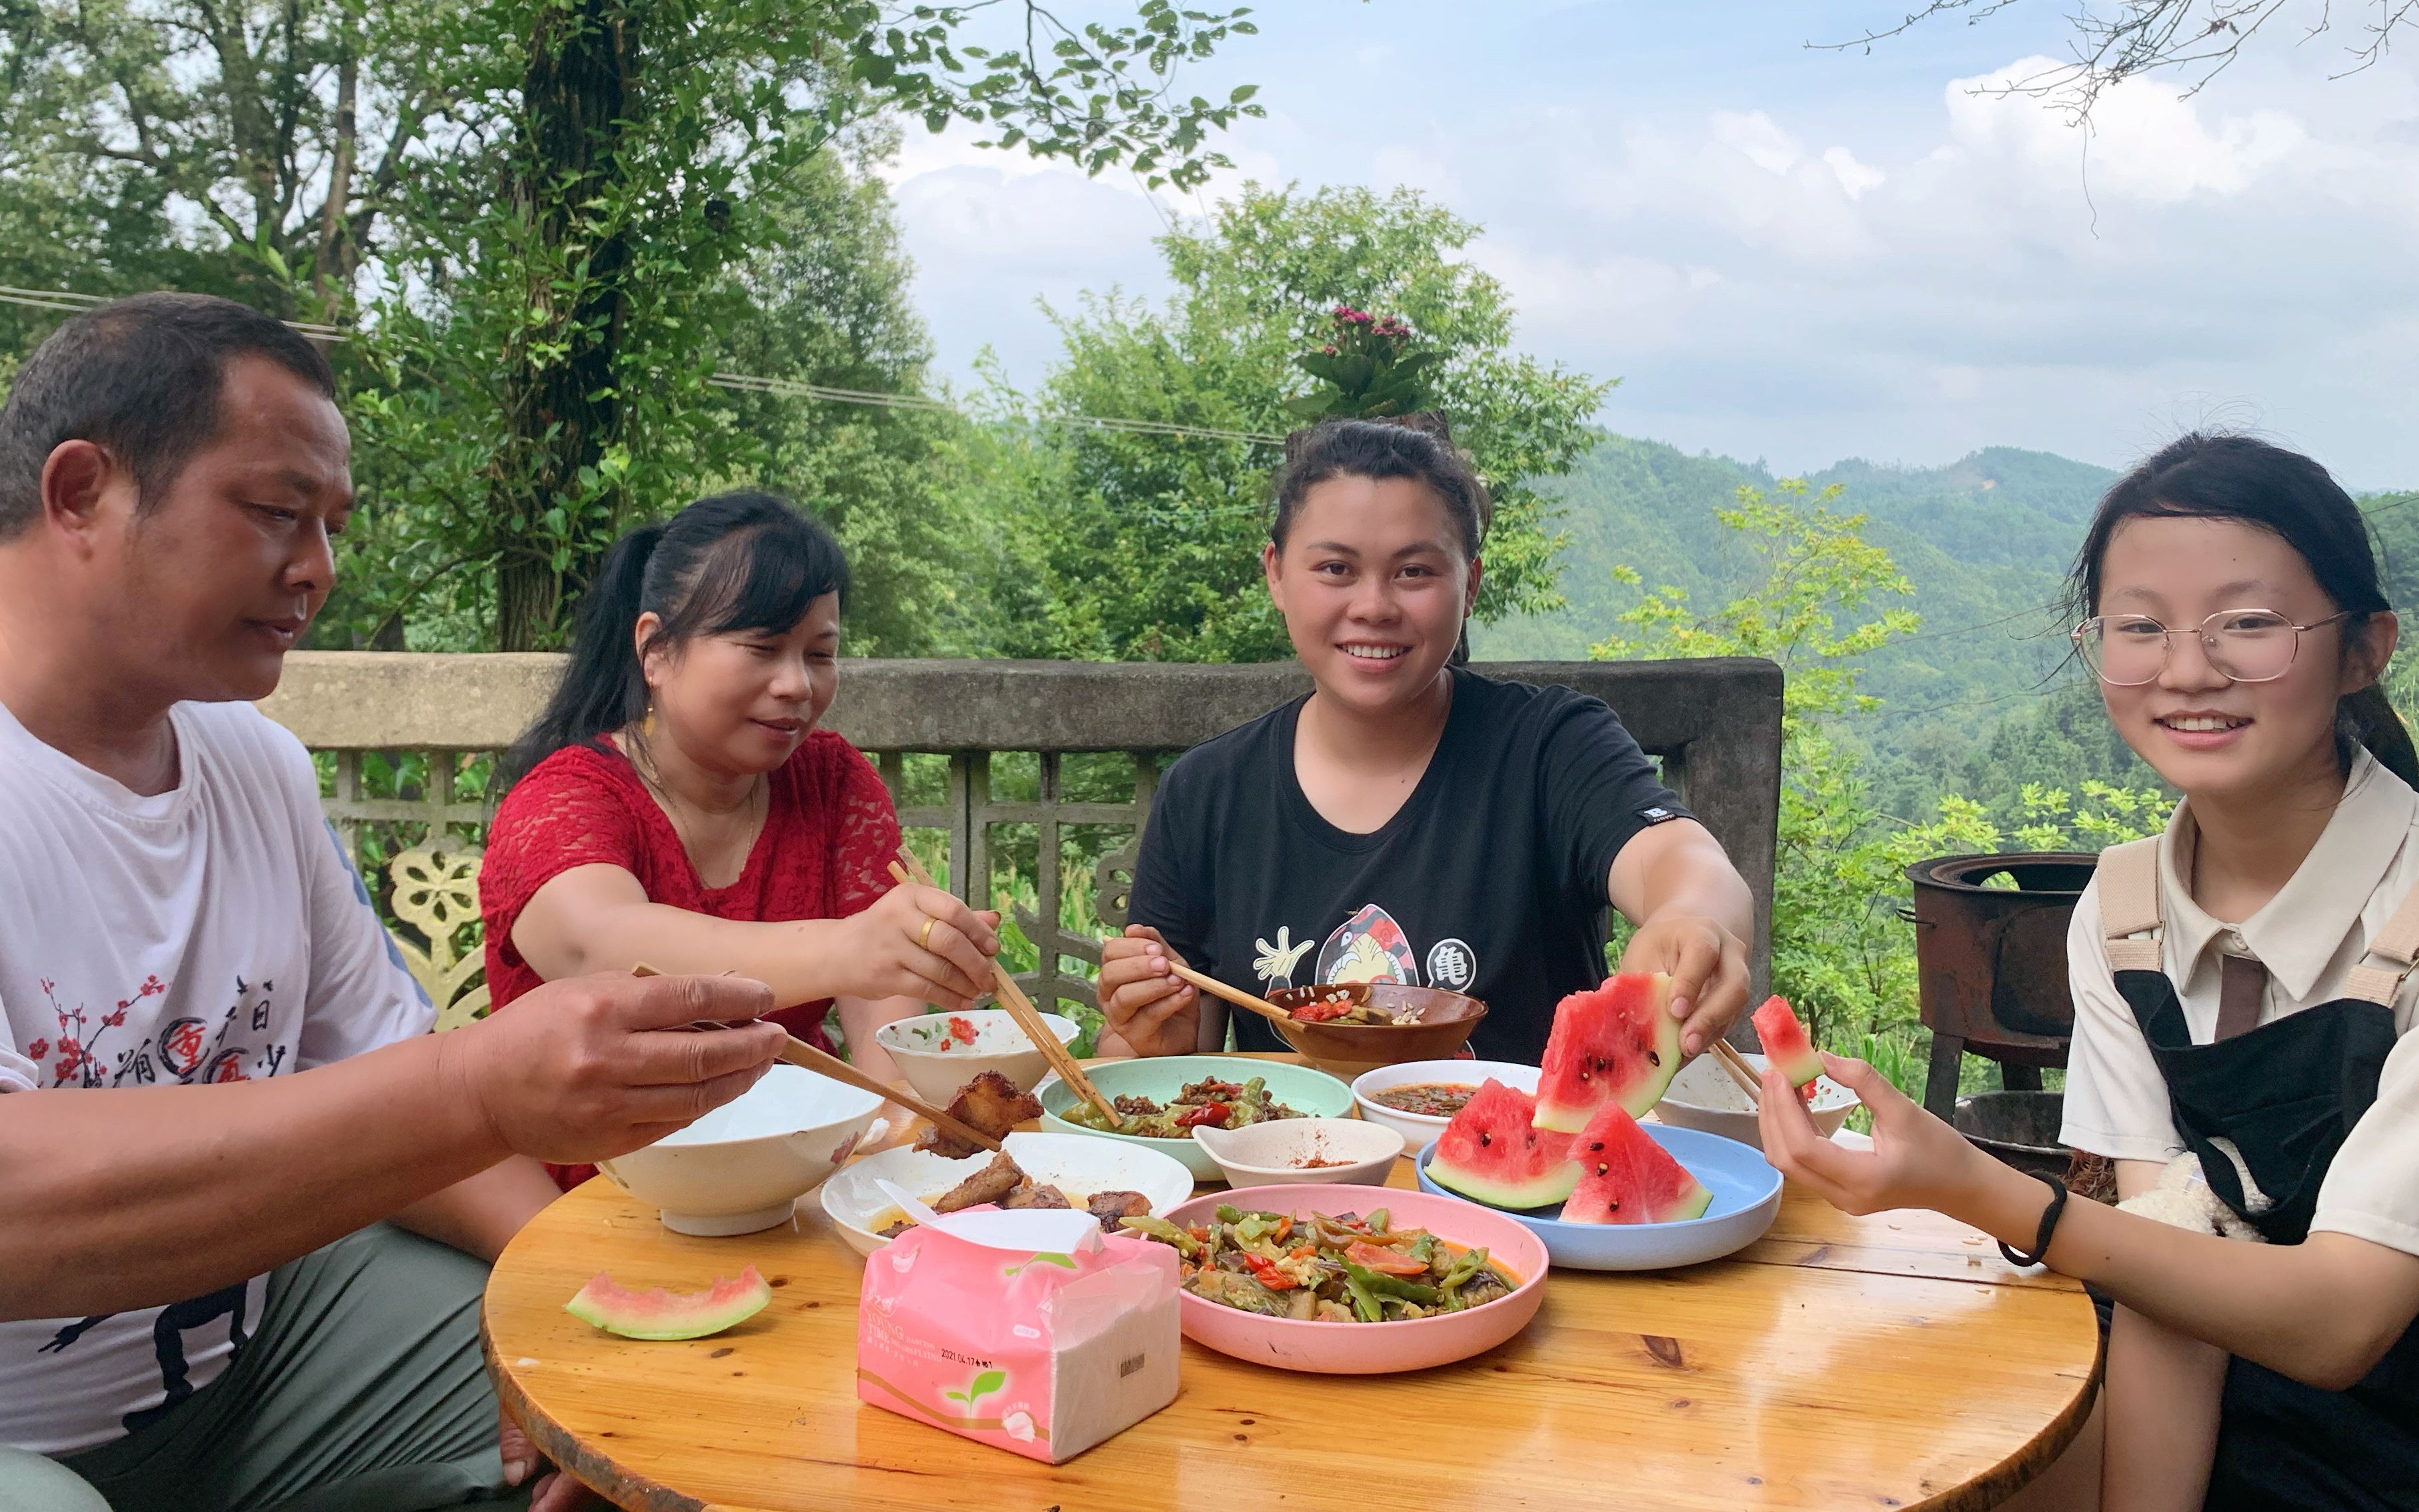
x=1029, y=1330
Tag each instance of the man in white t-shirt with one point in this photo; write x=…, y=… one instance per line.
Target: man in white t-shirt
x=216, y=1077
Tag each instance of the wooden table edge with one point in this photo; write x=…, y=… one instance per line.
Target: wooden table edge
x=610, y=1478
x=2027, y=1464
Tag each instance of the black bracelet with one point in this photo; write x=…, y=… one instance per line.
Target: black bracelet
x=2048, y=1223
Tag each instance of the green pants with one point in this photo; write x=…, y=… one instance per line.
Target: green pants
x=363, y=1392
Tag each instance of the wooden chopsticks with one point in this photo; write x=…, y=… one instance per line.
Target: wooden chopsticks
x=1011, y=996
x=822, y=1063
x=1741, y=1072
x=1234, y=995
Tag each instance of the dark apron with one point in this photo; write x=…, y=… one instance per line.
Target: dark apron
x=2287, y=1094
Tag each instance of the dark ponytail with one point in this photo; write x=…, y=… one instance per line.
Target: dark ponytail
x=2216, y=476
x=1417, y=446
x=729, y=563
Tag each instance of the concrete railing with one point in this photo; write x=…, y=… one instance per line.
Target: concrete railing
x=1714, y=724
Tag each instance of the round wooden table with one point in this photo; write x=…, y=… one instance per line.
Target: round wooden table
x=1883, y=1362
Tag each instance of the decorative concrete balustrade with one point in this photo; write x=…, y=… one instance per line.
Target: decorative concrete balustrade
x=1714, y=724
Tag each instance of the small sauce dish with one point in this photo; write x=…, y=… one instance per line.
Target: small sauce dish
x=1299, y=1152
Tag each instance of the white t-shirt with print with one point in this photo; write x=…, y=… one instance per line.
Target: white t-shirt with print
x=213, y=933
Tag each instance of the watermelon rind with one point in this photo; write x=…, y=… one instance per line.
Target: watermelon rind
x=1784, y=1041
x=1626, y=1178
x=1614, y=1044
x=660, y=1313
x=1493, y=1152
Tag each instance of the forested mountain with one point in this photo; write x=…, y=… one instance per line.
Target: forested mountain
x=1982, y=699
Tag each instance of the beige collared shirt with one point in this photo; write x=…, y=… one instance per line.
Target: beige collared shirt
x=2309, y=936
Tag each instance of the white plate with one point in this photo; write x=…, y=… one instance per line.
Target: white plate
x=1079, y=1165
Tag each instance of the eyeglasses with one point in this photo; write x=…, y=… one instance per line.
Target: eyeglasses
x=2243, y=645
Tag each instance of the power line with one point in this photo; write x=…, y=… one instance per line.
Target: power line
x=72, y=304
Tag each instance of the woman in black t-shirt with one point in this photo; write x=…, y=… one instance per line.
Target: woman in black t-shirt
x=1410, y=820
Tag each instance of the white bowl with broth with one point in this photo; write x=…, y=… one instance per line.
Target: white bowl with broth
x=1419, y=1130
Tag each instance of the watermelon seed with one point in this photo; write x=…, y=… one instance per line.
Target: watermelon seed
x=1614, y=1206
x=1601, y=1167
x=1596, y=1144
x=1484, y=1138
x=1654, y=1057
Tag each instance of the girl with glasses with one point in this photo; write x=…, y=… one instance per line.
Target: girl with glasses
x=2244, y=993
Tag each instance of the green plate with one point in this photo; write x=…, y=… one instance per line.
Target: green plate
x=1312, y=1093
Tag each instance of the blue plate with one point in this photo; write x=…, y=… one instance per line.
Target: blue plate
x=1747, y=1196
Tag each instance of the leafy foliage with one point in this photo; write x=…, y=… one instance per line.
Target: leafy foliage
x=1135, y=546
x=536, y=216
x=1371, y=366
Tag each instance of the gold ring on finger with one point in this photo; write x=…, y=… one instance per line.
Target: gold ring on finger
x=924, y=941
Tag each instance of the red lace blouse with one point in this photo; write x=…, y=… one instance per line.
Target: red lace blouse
x=829, y=834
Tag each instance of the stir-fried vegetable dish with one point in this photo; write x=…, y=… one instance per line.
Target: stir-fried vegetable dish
x=1205, y=1105
x=1342, y=1269
x=1338, y=1007
x=1436, y=1100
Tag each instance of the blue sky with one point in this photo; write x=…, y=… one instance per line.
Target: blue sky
x=1802, y=255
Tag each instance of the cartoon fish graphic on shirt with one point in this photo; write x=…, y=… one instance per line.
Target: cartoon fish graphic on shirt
x=1368, y=947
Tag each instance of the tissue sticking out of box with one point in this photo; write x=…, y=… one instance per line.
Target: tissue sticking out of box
x=1029, y=1331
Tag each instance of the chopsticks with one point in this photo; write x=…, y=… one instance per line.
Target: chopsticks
x=1019, y=1008
x=1741, y=1072
x=822, y=1063
x=1234, y=995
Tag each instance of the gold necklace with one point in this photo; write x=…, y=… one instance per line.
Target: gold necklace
x=670, y=802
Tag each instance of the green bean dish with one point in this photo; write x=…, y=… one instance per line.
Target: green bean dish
x=1339, y=1269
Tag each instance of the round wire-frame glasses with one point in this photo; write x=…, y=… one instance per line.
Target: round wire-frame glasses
x=2243, y=645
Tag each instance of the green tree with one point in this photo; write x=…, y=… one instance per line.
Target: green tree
x=1142, y=546
x=532, y=207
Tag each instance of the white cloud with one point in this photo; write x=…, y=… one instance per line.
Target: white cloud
x=2147, y=138
x=1802, y=277
x=1855, y=177
x=1758, y=140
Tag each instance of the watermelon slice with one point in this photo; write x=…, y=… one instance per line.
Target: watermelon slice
x=1785, y=1044
x=1493, y=1151
x=1626, y=1178
x=670, y=1315
x=1618, y=1043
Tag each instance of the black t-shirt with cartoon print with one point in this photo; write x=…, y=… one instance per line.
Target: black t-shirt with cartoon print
x=1489, y=880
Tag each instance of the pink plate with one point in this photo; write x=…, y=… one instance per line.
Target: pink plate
x=1372, y=1349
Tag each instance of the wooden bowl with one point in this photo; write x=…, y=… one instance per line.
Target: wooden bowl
x=1346, y=1050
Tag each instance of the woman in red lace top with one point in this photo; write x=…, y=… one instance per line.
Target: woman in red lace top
x=679, y=808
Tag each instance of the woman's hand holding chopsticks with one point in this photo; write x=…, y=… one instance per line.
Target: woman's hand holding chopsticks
x=1146, y=1005
x=921, y=942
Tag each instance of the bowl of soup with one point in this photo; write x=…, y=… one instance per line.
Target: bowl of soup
x=1418, y=1098
x=1345, y=1028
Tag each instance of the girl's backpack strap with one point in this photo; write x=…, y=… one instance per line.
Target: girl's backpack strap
x=2391, y=952
x=2129, y=904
